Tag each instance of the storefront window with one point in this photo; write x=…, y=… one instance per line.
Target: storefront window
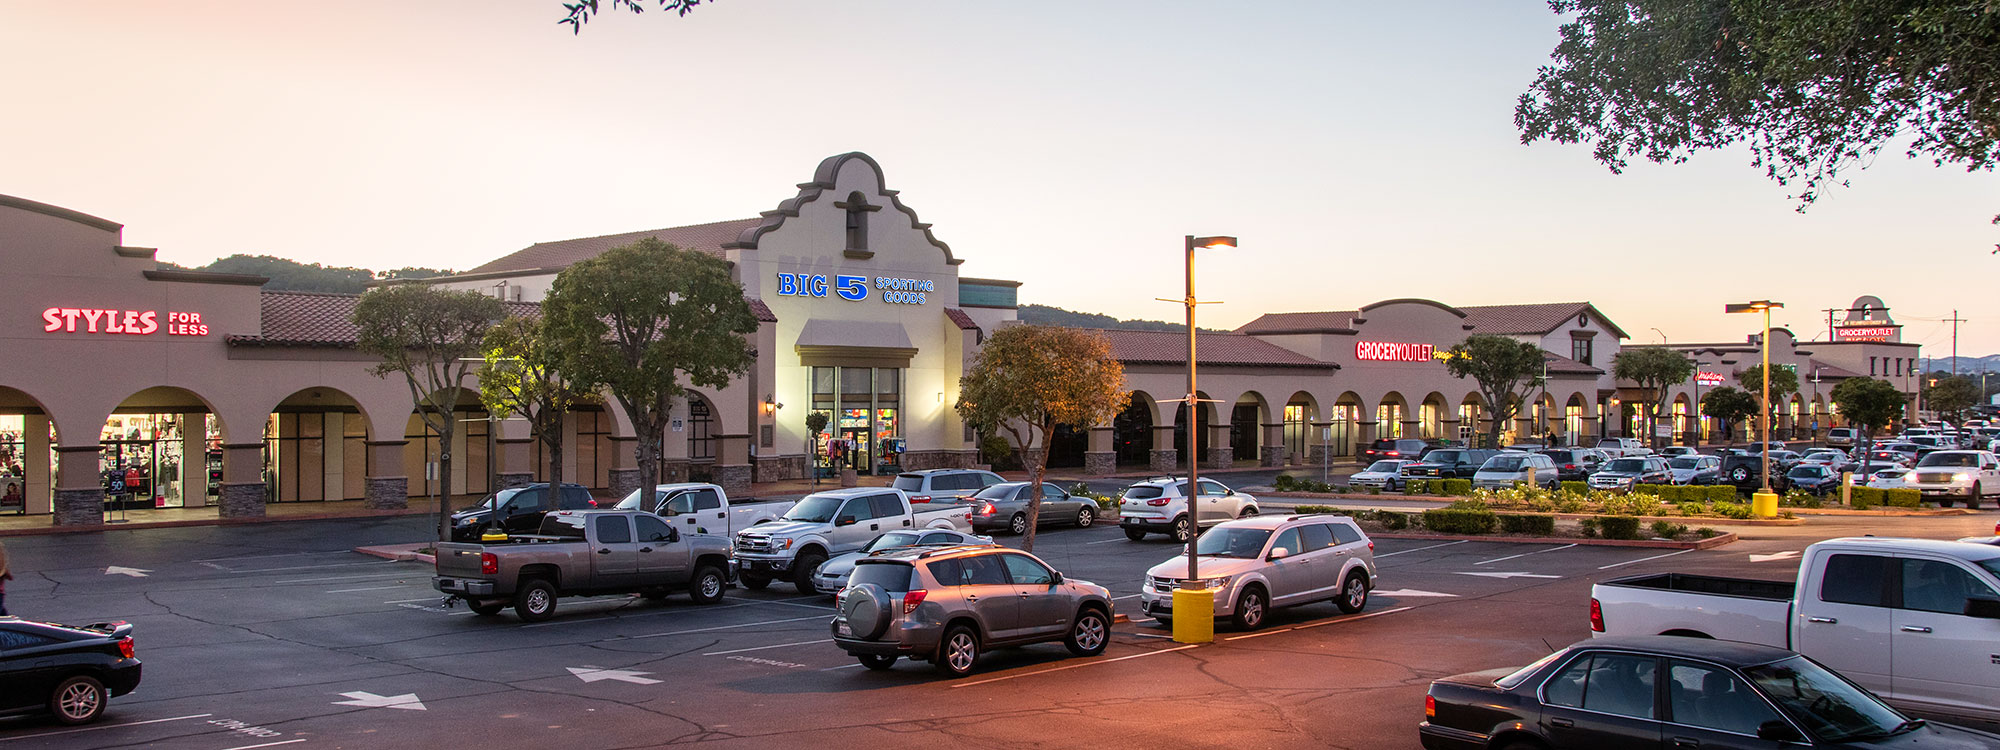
x=1468, y=422
x=864, y=408
x=1341, y=443
x=1296, y=429
x=1573, y=423
x=701, y=429
x=1388, y=421
x=1429, y=420
x=143, y=460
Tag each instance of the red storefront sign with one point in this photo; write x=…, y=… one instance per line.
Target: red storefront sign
x=1708, y=378
x=1864, y=332
x=129, y=322
x=1386, y=351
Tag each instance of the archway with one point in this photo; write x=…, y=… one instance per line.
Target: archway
x=1132, y=431
x=702, y=427
x=472, y=459
x=316, y=447
x=1246, y=426
x=1204, y=417
x=1389, y=413
x=1683, y=419
x=1430, y=416
x=1471, y=410
x=589, y=451
x=161, y=448
x=27, y=462
x=1300, y=413
x=1573, y=414
x=1344, y=423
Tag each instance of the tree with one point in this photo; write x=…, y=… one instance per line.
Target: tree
x=1950, y=395
x=521, y=376
x=815, y=424
x=1654, y=370
x=1027, y=379
x=581, y=10
x=1868, y=404
x=1784, y=383
x=1507, y=370
x=635, y=319
x=432, y=337
x=1810, y=87
x=1728, y=406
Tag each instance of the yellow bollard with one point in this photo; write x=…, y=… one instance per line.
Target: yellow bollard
x=1764, y=504
x=1194, y=615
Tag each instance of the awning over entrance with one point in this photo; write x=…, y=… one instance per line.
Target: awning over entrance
x=855, y=343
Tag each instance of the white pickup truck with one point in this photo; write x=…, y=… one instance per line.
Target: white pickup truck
x=829, y=523
x=703, y=508
x=1916, y=621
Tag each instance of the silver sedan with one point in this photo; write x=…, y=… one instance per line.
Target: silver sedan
x=832, y=574
x=1005, y=506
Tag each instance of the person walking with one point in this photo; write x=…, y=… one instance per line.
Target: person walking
x=5, y=575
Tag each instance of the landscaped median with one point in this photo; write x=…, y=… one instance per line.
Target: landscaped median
x=1474, y=519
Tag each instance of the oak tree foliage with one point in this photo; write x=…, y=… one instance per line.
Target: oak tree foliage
x=581, y=11
x=521, y=376
x=1869, y=404
x=1728, y=405
x=1654, y=370
x=1507, y=371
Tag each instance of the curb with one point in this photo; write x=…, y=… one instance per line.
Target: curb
x=1714, y=541
x=1718, y=520
x=399, y=552
x=1898, y=513
x=213, y=522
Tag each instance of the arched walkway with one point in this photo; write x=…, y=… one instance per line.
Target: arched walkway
x=163, y=447
x=27, y=462
x=1431, y=416
x=1246, y=428
x=1204, y=429
x=316, y=447
x=472, y=451
x=1345, y=423
x=1575, y=410
x=1301, y=413
x=1132, y=432
x=1390, y=415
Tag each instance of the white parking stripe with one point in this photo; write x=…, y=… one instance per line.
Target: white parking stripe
x=370, y=588
x=1317, y=624
x=103, y=726
x=761, y=648
x=439, y=597
x=267, y=744
x=317, y=567
x=367, y=577
x=958, y=685
x=1524, y=554
x=1122, y=598
x=1420, y=549
x=1643, y=559
x=1105, y=541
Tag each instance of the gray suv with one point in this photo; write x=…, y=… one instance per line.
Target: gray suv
x=949, y=605
x=944, y=485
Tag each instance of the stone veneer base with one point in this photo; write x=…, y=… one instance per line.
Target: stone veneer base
x=1271, y=455
x=1100, y=463
x=241, y=500
x=1164, y=460
x=388, y=493
x=79, y=507
x=624, y=481
x=734, y=479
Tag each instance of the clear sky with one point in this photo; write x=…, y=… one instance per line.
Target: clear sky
x=1362, y=150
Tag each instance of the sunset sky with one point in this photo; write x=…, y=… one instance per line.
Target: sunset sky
x=1362, y=151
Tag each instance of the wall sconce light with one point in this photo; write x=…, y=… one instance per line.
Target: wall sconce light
x=771, y=406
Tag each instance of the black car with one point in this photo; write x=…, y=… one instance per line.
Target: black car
x=1449, y=463
x=520, y=510
x=68, y=671
x=1745, y=471
x=1404, y=448
x=1671, y=692
x=1574, y=464
x=1816, y=479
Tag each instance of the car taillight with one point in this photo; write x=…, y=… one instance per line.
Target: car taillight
x=1392, y=453
x=1371, y=546
x=1158, y=502
x=1430, y=706
x=920, y=498
x=125, y=647
x=912, y=599
x=593, y=502
x=986, y=510
x=1596, y=616
x=489, y=563
x=1571, y=467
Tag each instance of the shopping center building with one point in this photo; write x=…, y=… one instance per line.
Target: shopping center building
x=130, y=386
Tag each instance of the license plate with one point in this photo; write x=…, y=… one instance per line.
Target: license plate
x=844, y=630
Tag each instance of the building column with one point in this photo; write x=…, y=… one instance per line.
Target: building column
x=1364, y=433
x=79, y=494
x=1101, y=456
x=388, y=478
x=624, y=474
x=1221, y=455
x=1271, y=450
x=39, y=489
x=1320, y=449
x=194, y=460
x=732, y=464
x=1165, y=460
x=1448, y=428
x=516, y=461
x=243, y=490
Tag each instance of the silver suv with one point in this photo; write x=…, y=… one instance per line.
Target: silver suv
x=1255, y=564
x=1160, y=505
x=947, y=606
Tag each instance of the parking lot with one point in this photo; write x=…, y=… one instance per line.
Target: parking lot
x=278, y=635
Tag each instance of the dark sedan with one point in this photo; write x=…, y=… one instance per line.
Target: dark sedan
x=1813, y=478
x=68, y=671
x=1671, y=692
x=1005, y=506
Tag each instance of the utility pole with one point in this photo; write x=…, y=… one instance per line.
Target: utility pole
x=1954, y=320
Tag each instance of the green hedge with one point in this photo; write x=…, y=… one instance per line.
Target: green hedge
x=1578, y=488
x=1720, y=493
x=1619, y=527
x=1903, y=498
x=1416, y=486
x=1460, y=521
x=1392, y=520
x=1531, y=524
x=1863, y=498
x=1454, y=487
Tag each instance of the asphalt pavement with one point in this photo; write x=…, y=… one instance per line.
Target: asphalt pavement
x=279, y=636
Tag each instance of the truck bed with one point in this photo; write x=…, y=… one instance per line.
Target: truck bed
x=1730, y=609
x=1748, y=588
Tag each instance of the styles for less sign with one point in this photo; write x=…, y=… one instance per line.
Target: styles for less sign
x=129, y=322
x=855, y=288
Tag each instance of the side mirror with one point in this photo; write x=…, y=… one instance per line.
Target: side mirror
x=1778, y=731
x=1983, y=607
x=1057, y=580
x=673, y=535
x=1279, y=553
x=844, y=521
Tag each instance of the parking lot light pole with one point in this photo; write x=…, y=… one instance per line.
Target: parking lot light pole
x=1765, y=502
x=1194, y=604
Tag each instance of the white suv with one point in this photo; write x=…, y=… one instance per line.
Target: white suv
x=1255, y=564
x=1160, y=506
x=1948, y=474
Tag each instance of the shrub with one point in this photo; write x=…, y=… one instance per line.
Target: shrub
x=1863, y=498
x=1588, y=526
x=1720, y=493
x=1903, y=498
x=1649, y=489
x=1285, y=483
x=1576, y=488
x=1619, y=527
x=1106, y=503
x=1374, y=490
x=1460, y=520
x=1693, y=509
x=1732, y=510
x=999, y=453
x=1392, y=520
x=1530, y=524
x=1416, y=486
x=1469, y=504
x=1455, y=487
x=1668, y=529
x=1706, y=532
x=1801, y=499
x=1569, y=505
x=1305, y=510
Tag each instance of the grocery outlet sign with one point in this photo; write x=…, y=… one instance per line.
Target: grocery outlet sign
x=1389, y=351
x=856, y=288
x=127, y=322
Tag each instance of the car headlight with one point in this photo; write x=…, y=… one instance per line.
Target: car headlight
x=1962, y=477
x=1216, y=583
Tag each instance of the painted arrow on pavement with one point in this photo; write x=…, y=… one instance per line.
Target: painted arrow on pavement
x=1413, y=592
x=1506, y=575
x=596, y=674
x=133, y=572
x=1786, y=555
x=364, y=699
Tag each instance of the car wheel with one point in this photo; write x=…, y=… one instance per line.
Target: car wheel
x=1085, y=516
x=1354, y=593
x=1018, y=525
x=878, y=663
x=1251, y=607
x=707, y=585
x=1249, y=511
x=802, y=571
x=77, y=700
x=1972, y=500
x=1183, y=529
x=1089, y=634
x=1135, y=534
x=754, y=583
x=958, y=652
x=1739, y=474
x=536, y=601
x=487, y=608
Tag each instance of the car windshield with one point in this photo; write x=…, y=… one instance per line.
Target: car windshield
x=997, y=492
x=1559, y=456
x=1142, y=493
x=1826, y=704
x=815, y=509
x=1812, y=472
x=1949, y=459
x=1508, y=682
x=1629, y=465
x=502, y=496
x=1384, y=467
x=1685, y=462
x=1443, y=457
x=891, y=576
x=1231, y=542
x=892, y=539
x=909, y=482
x=1505, y=463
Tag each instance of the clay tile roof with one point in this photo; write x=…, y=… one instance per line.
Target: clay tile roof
x=761, y=310
x=1524, y=319
x=557, y=255
x=1170, y=348
x=1300, y=322
x=322, y=319
x=1828, y=371
x=1561, y=365
x=964, y=321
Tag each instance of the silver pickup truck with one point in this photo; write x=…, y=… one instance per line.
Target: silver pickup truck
x=584, y=553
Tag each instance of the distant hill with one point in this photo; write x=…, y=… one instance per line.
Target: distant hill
x=1055, y=316
x=293, y=276
x=1974, y=365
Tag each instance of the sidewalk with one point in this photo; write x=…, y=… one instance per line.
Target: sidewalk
x=167, y=518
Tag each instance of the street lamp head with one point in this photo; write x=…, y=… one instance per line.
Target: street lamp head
x=1758, y=306
x=1209, y=243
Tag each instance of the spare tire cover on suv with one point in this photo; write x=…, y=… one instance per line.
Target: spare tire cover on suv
x=867, y=611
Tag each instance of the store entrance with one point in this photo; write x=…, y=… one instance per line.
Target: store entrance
x=854, y=431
